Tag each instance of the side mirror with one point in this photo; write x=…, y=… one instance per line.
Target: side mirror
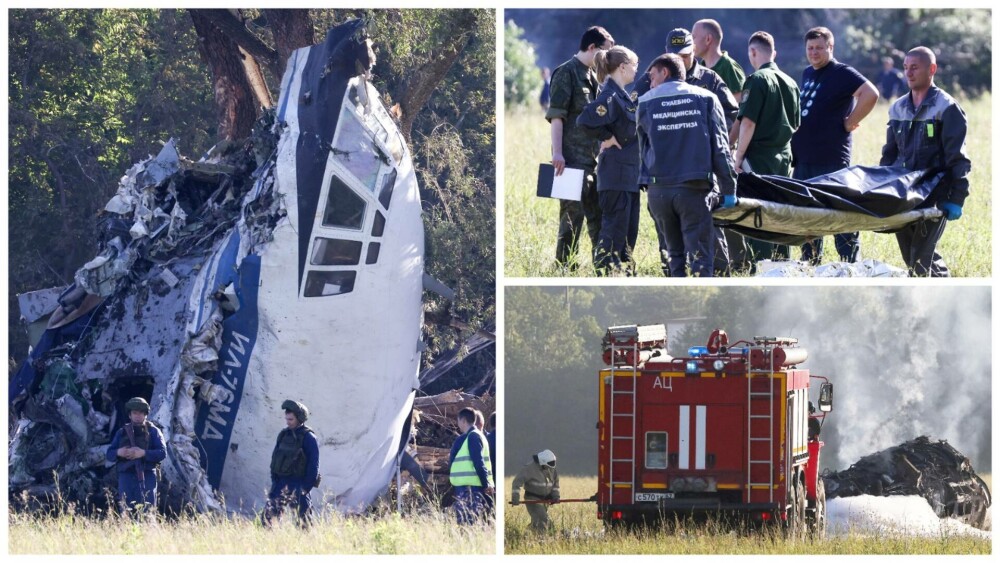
x=826, y=397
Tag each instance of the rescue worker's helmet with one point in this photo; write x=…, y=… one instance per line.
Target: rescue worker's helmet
x=545, y=457
x=298, y=409
x=137, y=404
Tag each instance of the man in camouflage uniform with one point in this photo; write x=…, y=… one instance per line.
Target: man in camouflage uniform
x=573, y=86
x=769, y=114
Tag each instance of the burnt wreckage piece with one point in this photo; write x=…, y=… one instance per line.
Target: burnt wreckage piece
x=934, y=470
x=118, y=330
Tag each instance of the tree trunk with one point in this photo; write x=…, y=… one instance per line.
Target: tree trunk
x=291, y=29
x=229, y=24
x=417, y=89
x=234, y=91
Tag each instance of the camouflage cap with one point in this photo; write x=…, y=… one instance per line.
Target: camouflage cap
x=300, y=411
x=137, y=404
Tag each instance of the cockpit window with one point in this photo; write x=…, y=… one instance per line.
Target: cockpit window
x=378, y=227
x=376, y=118
x=344, y=208
x=320, y=283
x=373, y=248
x=385, y=194
x=335, y=252
x=355, y=150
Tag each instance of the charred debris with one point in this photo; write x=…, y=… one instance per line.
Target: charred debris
x=932, y=469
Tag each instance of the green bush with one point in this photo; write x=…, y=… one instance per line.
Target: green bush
x=522, y=79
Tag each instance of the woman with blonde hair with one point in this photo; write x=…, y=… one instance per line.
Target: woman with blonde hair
x=611, y=118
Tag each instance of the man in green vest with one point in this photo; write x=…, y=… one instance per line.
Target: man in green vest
x=470, y=474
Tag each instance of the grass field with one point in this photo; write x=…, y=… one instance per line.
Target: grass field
x=426, y=533
x=531, y=222
x=578, y=531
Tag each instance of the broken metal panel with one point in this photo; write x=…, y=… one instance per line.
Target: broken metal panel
x=934, y=470
x=35, y=305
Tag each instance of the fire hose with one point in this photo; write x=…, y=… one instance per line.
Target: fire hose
x=560, y=501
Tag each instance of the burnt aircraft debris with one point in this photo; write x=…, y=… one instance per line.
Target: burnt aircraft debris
x=287, y=265
x=932, y=469
x=68, y=396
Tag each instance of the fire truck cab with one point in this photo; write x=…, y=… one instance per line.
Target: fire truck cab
x=726, y=429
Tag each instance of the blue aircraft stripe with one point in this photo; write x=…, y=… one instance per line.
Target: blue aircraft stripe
x=214, y=421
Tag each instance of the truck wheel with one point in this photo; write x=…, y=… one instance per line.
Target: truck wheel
x=797, y=511
x=817, y=524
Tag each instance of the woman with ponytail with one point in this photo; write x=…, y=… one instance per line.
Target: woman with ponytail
x=611, y=118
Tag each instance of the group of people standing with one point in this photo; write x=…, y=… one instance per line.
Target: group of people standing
x=693, y=121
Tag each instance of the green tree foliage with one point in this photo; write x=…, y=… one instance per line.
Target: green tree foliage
x=961, y=38
x=521, y=78
x=92, y=91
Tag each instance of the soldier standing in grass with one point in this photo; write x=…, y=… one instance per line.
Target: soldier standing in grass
x=136, y=449
x=927, y=129
x=541, y=483
x=573, y=86
x=294, y=466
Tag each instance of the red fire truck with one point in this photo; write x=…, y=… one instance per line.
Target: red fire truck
x=726, y=429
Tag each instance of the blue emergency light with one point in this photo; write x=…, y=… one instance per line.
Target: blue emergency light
x=697, y=351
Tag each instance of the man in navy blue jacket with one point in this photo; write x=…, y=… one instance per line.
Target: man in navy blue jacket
x=684, y=147
x=136, y=449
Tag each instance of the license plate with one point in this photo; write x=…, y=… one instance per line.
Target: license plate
x=652, y=497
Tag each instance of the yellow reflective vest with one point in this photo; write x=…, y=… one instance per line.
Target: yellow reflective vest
x=463, y=471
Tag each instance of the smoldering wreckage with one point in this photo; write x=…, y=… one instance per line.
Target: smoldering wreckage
x=934, y=470
x=286, y=266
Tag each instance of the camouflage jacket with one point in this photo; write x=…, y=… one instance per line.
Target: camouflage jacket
x=573, y=86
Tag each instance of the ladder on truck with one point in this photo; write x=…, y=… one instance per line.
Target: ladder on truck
x=624, y=421
x=755, y=394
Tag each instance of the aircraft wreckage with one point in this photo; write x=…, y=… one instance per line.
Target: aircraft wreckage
x=934, y=470
x=291, y=266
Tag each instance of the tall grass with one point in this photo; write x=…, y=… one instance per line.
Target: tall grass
x=423, y=533
x=578, y=531
x=531, y=222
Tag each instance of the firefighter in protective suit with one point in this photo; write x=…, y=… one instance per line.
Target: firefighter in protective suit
x=541, y=482
x=294, y=466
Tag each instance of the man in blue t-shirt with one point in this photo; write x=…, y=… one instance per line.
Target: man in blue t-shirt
x=834, y=99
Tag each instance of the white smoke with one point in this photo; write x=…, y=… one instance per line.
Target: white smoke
x=905, y=362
